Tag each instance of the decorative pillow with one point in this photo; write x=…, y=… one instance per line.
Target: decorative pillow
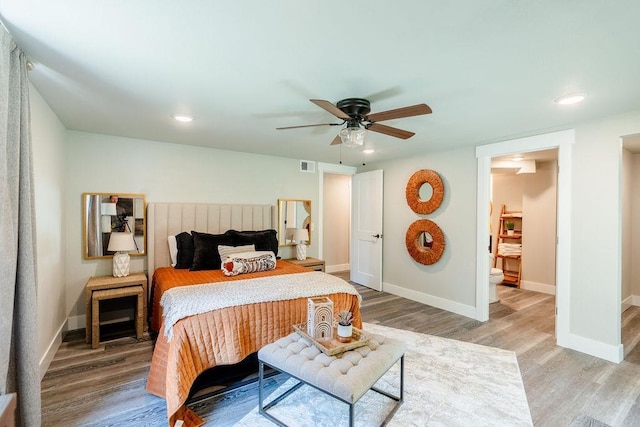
x=225, y=251
x=205, y=250
x=184, y=243
x=248, y=262
x=264, y=240
x=173, y=250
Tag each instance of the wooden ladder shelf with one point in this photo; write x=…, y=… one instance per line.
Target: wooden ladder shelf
x=509, y=246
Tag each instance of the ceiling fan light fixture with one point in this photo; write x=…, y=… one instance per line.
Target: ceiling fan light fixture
x=353, y=136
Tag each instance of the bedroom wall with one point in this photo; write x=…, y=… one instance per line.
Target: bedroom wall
x=449, y=283
x=167, y=172
x=48, y=137
x=595, y=291
x=594, y=281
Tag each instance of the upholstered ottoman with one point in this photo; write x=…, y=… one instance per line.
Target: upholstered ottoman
x=346, y=376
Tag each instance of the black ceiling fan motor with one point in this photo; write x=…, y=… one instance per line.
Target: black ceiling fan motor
x=355, y=107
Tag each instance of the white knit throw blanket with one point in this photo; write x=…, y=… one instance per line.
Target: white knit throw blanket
x=184, y=301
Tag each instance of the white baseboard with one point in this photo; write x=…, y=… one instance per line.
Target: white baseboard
x=336, y=268
x=538, y=287
x=48, y=356
x=444, y=304
x=612, y=353
x=627, y=303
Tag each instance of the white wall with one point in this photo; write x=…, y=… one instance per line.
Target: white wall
x=626, y=201
x=539, y=228
x=336, y=221
x=635, y=225
x=49, y=163
x=595, y=292
x=449, y=283
x=168, y=173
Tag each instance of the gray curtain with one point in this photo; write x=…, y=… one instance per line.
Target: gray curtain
x=19, y=370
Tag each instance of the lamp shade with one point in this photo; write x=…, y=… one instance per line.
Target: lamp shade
x=300, y=235
x=353, y=136
x=121, y=242
x=108, y=209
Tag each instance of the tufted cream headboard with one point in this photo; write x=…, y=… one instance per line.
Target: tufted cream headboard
x=166, y=219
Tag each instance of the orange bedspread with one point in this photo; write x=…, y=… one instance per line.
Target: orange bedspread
x=166, y=278
x=223, y=337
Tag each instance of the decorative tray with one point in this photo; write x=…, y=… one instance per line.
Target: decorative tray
x=333, y=346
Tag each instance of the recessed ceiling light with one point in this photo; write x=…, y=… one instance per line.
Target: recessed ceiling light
x=368, y=151
x=574, y=98
x=182, y=117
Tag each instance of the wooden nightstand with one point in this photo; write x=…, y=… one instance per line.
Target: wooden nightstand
x=108, y=287
x=311, y=263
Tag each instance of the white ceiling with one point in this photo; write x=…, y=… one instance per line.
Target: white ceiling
x=490, y=70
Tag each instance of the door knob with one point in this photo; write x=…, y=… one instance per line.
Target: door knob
x=377, y=236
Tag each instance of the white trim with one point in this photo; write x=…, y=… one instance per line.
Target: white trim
x=627, y=303
x=336, y=268
x=538, y=287
x=612, y=353
x=482, y=242
x=328, y=168
x=48, y=356
x=562, y=140
x=441, y=303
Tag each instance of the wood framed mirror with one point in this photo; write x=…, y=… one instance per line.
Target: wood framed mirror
x=104, y=213
x=292, y=214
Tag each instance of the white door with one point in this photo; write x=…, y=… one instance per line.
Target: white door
x=366, y=226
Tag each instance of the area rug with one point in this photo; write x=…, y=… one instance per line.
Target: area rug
x=447, y=383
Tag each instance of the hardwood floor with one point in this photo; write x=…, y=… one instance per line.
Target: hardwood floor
x=106, y=386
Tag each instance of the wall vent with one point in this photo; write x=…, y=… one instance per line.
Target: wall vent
x=307, y=166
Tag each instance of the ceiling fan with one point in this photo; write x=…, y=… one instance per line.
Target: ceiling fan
x=355, y=113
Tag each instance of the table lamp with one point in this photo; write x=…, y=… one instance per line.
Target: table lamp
x=301, y=236
x=120, y=243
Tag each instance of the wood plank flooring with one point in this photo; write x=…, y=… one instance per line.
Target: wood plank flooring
x=106, y=386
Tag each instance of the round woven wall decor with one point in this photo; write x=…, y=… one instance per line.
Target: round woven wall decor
x=418, y=252
x=424, y=176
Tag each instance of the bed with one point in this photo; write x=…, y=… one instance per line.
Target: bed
x=210, y=319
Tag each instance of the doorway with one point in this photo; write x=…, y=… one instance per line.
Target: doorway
x=630, y=241
x=563, y=141
x=334, y=207
x=523, y=194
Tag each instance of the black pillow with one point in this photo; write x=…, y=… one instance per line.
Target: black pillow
x=205, y=250
x=264, y=240
x=184, y=241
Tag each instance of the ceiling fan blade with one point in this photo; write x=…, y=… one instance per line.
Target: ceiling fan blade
x=388, y=130
x=331, y=108
x=308, y=126
x=414, y=110
x=337, y=140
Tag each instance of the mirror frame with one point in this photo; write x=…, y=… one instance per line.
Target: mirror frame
x=412, y=192
x=418, y=252
x=136, y=228
x=282, y=221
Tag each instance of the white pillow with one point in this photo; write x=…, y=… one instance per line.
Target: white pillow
x=173, y=250
x=225, y=251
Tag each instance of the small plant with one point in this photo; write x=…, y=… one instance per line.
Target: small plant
x=510, y=225
x=345, y=318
